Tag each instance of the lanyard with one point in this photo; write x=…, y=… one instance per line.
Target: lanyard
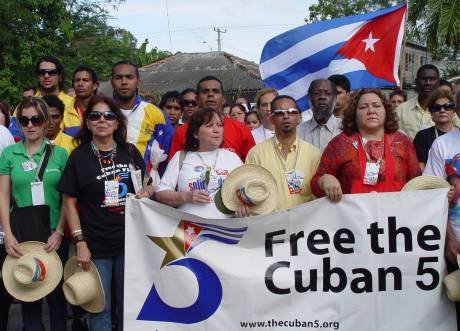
x=209, y=168
x=112, y=158
x=368, y=158
x=36, y=179
x=280, y=156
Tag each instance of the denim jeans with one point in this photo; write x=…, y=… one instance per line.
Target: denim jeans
x=32, y=311
x=106, y=267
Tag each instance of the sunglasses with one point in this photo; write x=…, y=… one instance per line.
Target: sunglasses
x=35, y=120
x=96, y=116
x=281, y=112
x=447, y=106
x=190, y=103
x=50, y=72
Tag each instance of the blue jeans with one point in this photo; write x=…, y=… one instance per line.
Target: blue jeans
x=106, y=267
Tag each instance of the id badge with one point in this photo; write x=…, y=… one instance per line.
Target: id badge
x=29, y=165
x=136, y=178
x=38, y=193
x=371, y=174
x=111, y=193
x=294, y=180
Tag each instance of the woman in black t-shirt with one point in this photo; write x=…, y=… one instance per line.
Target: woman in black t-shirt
x=97, y=178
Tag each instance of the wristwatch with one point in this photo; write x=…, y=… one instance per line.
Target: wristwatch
x=79, y=237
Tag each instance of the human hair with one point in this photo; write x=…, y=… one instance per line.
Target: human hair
x=253, y=112
x=445, y=82
x=316, y=81
x=427, y=67
x=438, y=94
x=341, y=81
x=28, y=88
x=58, y=65
x=400, y=92
x=5, y=109
x=119, y=135
x=283, y=96
x=238, y=105
x=173, y=96
x=88, y=69
x=457, y=100
x=36, y=102
x=349, y=120
x=200, y=117
x=54, y=101
x=188, y=90
x=264, y=91
x=125, y=62
x=207, y=78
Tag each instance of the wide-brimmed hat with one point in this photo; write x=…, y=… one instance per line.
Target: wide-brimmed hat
x=425, y=182
x=253, y=185
x=452, y=283
x=83, y=288
x=33, y=275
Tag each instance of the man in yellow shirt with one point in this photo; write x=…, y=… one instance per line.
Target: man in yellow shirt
x=290, y=160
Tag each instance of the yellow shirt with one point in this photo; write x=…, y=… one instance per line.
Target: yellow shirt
x=268, y=155
x=412, y=117
x=65, y=141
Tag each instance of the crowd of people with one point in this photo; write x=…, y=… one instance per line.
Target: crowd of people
x=80, y=156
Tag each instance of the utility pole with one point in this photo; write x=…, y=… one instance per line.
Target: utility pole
x=219, y=31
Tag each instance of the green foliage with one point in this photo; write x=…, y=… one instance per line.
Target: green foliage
x=75, y=31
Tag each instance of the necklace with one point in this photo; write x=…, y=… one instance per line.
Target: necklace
x=104, y=159
x=207, y=174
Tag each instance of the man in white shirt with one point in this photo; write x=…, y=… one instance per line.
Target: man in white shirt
x=266, y=130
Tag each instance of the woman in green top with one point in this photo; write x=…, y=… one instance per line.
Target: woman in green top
x=18, y=166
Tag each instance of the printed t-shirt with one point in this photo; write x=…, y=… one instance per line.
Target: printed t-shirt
x=12, y=164
x=237, y=138
x=192, y=176
x=84, y=179
x=6, y=138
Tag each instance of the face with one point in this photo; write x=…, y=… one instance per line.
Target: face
x=210, y=95
x=190, y=103
x=83, y=85
x=427, y=81
x=444, y=115
x=237, y=114
x=285, y=123
x=396, y=100
x=32, y=131
x=54, y=122
x=102, y=127
x=226, y=111
x=252, y=122
x=48, y=76
x=125, y=82
x=342, y=99
x=370, y=112
x=28, y=93
x=264, y=105
x=210, y=134
x=173, y=110
x=322, y=101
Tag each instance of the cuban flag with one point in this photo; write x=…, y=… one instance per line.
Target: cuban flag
x=365, y=48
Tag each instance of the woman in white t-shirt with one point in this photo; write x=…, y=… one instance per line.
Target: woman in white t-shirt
x=194, y=175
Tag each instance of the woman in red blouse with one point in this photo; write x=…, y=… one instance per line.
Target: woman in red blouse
x=371, y=155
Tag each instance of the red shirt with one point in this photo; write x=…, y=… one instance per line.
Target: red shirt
x=237, y=138
x=340, y=159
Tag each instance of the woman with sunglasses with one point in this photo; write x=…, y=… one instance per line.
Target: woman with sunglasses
x=441, y=105
x=370, y=155
x=19, y=165
x=97, y=178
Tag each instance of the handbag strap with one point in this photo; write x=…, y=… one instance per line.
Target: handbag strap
x=41, y=171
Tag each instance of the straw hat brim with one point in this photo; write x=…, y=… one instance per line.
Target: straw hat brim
x=220, y=204
x=425, y=182
x=243, y=174
x=53, y=273
x=97, y=305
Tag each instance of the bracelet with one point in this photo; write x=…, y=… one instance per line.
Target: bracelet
x=60, y=232
x=78, y=238
x=76, y=232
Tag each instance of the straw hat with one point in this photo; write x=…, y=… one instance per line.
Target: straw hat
x=83, y=288
x=253, y=185
x=452, y=283
x=425, y=182
x=34, y=275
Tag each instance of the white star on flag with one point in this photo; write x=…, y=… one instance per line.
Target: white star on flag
x=190, y=230
x=370, y=42
x=160, y=133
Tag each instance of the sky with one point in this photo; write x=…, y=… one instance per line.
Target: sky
x=249, y=24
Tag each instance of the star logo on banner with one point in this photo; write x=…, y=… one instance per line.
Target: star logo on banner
x=190, y=230
x=370, y=42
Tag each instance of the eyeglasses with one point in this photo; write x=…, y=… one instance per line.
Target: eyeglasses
x=35, y=120
x=447, y=106
x=96, y=116
x=281, y=112
x=191, y=103
x=50, y=72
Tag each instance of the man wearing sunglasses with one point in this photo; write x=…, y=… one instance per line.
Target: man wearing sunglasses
x=291, y=160
x=190, y=103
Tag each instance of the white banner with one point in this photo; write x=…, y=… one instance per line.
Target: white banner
x=370, y=262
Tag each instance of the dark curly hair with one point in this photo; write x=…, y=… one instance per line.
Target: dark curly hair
x=198, y=118
x=349, y=120
x=119, y=135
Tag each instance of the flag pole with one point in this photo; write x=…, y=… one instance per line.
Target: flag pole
x=402, y=58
